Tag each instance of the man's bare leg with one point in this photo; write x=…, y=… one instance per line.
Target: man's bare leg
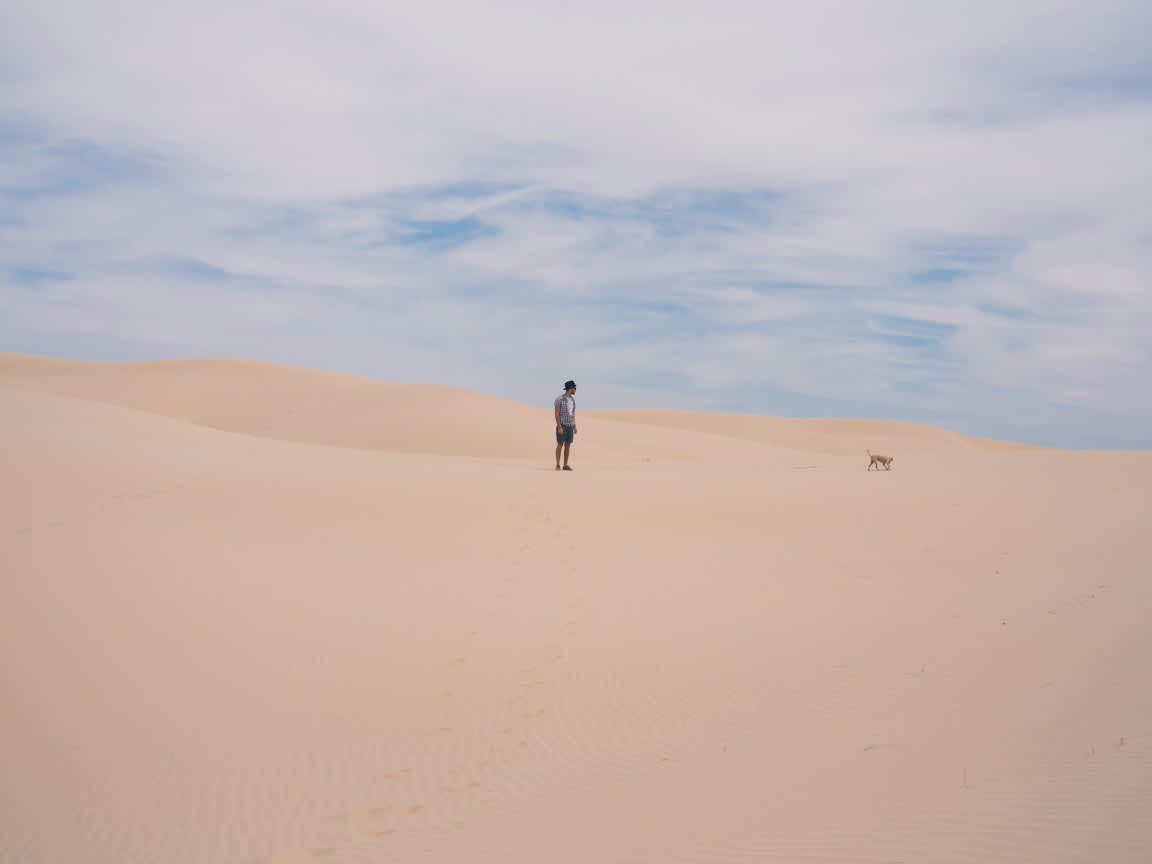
x=567, y=447
x=559, y=447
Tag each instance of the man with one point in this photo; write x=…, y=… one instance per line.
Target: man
x=565, y=422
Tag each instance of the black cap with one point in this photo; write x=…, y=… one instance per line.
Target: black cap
x=569, y=385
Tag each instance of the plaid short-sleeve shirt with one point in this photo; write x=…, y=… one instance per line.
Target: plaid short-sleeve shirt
x=567, y=406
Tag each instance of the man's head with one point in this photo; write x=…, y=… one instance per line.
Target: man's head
x=569, y=387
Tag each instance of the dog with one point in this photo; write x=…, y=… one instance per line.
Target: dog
x=875, y=459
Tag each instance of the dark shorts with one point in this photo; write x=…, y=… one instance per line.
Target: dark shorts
x=565, y=436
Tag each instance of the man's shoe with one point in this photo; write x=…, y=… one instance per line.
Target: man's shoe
x=557, y=467
x=567, y=467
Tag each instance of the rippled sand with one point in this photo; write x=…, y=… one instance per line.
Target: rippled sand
x=257, y=613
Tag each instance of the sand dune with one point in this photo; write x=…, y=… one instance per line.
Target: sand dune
x=817, y=436
x=258, y=613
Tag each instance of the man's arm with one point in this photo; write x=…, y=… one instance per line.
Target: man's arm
x=556, y=411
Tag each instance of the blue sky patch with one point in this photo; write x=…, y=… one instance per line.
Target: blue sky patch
x=192, y=268
x=966, y=253
x=66, y=166
x=671, y=212
x=444, y=234
x=911, y=332
x=1016, y=313
x=915, y=326
x=32, y=277
x=938, y=275
x=657, y=379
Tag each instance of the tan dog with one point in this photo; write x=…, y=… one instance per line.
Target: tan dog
x=878, y=460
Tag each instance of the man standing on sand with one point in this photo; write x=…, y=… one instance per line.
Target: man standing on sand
x=565, y=422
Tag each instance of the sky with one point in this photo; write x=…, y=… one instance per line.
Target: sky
x=927, y=211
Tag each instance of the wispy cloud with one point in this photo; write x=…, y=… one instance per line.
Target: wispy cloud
x=936, y=212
